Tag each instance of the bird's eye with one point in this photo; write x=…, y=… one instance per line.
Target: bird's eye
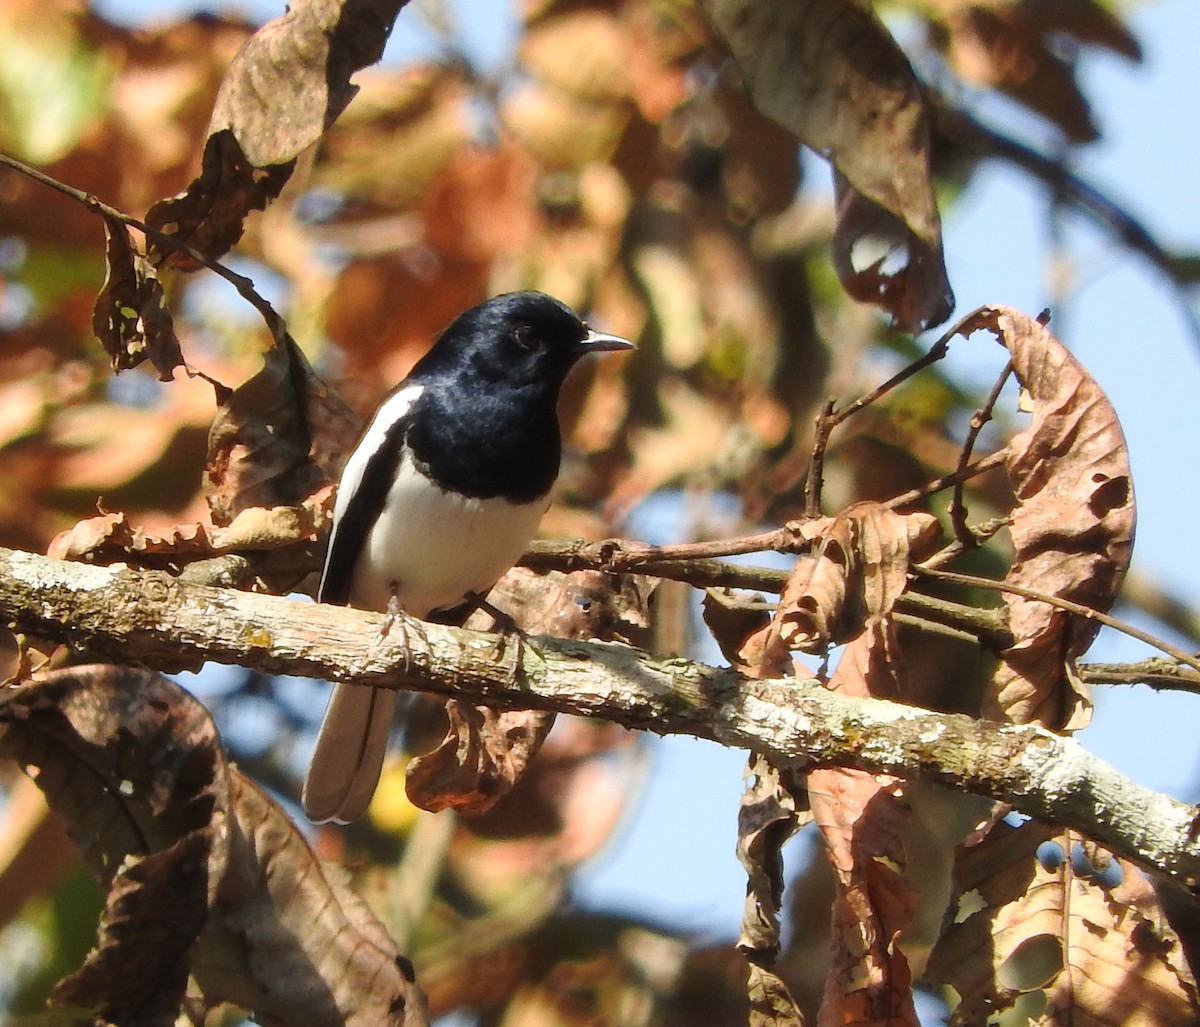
x=525, y=337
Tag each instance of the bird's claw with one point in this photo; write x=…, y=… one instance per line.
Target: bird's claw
x=395, y=617
x=507, y=631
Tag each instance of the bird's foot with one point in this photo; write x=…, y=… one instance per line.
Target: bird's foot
x=508, y=631
x=405, y=625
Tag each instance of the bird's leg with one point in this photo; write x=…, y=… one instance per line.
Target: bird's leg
x=506, y=629
x=396, y=617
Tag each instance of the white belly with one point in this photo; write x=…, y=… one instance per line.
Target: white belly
x=434, y=548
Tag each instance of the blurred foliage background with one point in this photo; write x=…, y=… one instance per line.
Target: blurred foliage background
x=611, y=157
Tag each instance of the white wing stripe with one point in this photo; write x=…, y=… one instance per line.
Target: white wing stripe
x=393, y=409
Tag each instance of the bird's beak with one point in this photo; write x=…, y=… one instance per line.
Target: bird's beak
x=598, y=342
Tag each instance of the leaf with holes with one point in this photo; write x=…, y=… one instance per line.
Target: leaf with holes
x=286, y=85
x=130, y=317
x=858, y=570
x=774, y=807
x=1072, y=528
x=1038, y=911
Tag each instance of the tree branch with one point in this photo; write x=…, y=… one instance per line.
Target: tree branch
x=149, y=618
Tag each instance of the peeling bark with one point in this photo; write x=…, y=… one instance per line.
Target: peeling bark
x=150, y=619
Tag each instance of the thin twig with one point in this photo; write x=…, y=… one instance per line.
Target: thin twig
x=830, y=416
x=614, y=554
x=981, y=532
x=677, y=564
x=936, y=352
x=955, y=477
x=1157, y=673
x=1063, y=604
x=963, y=326
x=816, y=464
x=958, y=508
x=243, y=285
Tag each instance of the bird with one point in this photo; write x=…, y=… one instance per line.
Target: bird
x=440, y=496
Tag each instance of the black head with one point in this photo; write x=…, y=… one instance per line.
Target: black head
x=485, y=423
x=517, y=338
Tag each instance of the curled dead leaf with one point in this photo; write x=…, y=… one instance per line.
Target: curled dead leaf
x=831, y=72
x=882, y=261
x=774, y=806
x=862, y=818
x=485, y=752
x=110, y=537
x=130, y=317
x=771, y=1003
x=93, y=535
x=210, y=215
x=479, y=760
x=287, y=84
x=858, y=570
x=1073, y=526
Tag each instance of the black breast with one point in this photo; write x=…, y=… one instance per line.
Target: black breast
x=502, y=443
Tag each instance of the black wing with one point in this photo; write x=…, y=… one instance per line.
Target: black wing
x=369, y=474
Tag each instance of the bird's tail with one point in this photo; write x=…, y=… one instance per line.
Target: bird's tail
x=349, y=754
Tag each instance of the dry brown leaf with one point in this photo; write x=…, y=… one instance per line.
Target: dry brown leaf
x=861, y=817
x=286, y=85
x=206, y=874
x=830, y=71
x=210, y=215
x=130, y=318
x=1033, y=909
x=277, y=438
x=485, y=752
x=107, y=538
x=1018, y=49
x=881, y=260
x=133, y=766
x=859, y=569
x=291, y=79
x=92, y=537
x=482, y=756
x=732, y=623
x=771, y=1004
x=774, y=807
x=1072, y=528
x=290, y=940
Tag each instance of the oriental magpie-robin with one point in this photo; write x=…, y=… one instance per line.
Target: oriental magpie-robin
x=439, y=498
